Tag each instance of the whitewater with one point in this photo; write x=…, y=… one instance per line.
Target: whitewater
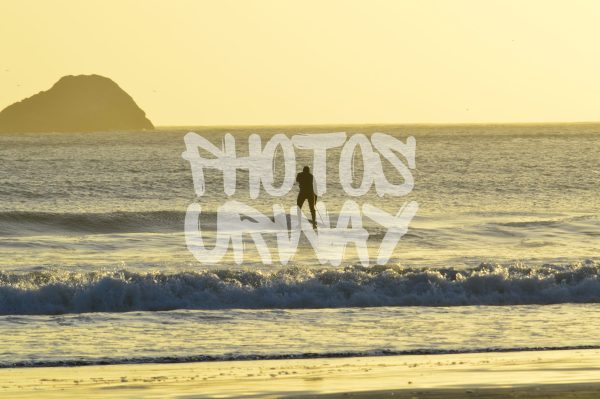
x=60, y=292
x=502, y=254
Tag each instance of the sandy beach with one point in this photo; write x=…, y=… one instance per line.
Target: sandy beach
x=560, y=374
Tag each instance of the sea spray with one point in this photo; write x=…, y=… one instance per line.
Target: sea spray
x=56, y=292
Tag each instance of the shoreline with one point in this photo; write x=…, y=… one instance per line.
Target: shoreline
x=283, y=357
x=532, y=374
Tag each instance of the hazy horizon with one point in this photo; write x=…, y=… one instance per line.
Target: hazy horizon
x=358, y=124
x=339, y=62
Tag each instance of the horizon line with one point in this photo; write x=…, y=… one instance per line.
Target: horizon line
x=162, y=126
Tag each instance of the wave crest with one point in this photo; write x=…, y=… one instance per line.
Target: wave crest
x=22, y=223
x=57, y=292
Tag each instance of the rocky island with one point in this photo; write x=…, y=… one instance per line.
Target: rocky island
x=81, y=103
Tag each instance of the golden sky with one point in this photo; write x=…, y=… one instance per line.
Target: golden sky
x=317, y=61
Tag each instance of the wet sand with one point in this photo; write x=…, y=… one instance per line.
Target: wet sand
x=581, y=391
x=548, y=374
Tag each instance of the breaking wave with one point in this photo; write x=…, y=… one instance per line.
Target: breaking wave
x=58, y=292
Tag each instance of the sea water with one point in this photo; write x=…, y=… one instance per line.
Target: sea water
x=94, y=268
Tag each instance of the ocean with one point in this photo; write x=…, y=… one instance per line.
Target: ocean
x=503, y=253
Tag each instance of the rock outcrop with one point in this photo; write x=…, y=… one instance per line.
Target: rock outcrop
x=80, y=103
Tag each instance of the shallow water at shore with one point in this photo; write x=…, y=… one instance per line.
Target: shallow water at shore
x=191, y=336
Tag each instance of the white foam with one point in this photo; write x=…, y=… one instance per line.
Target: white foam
x=55, y=292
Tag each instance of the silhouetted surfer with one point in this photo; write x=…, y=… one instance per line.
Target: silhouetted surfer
x=305, y=181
